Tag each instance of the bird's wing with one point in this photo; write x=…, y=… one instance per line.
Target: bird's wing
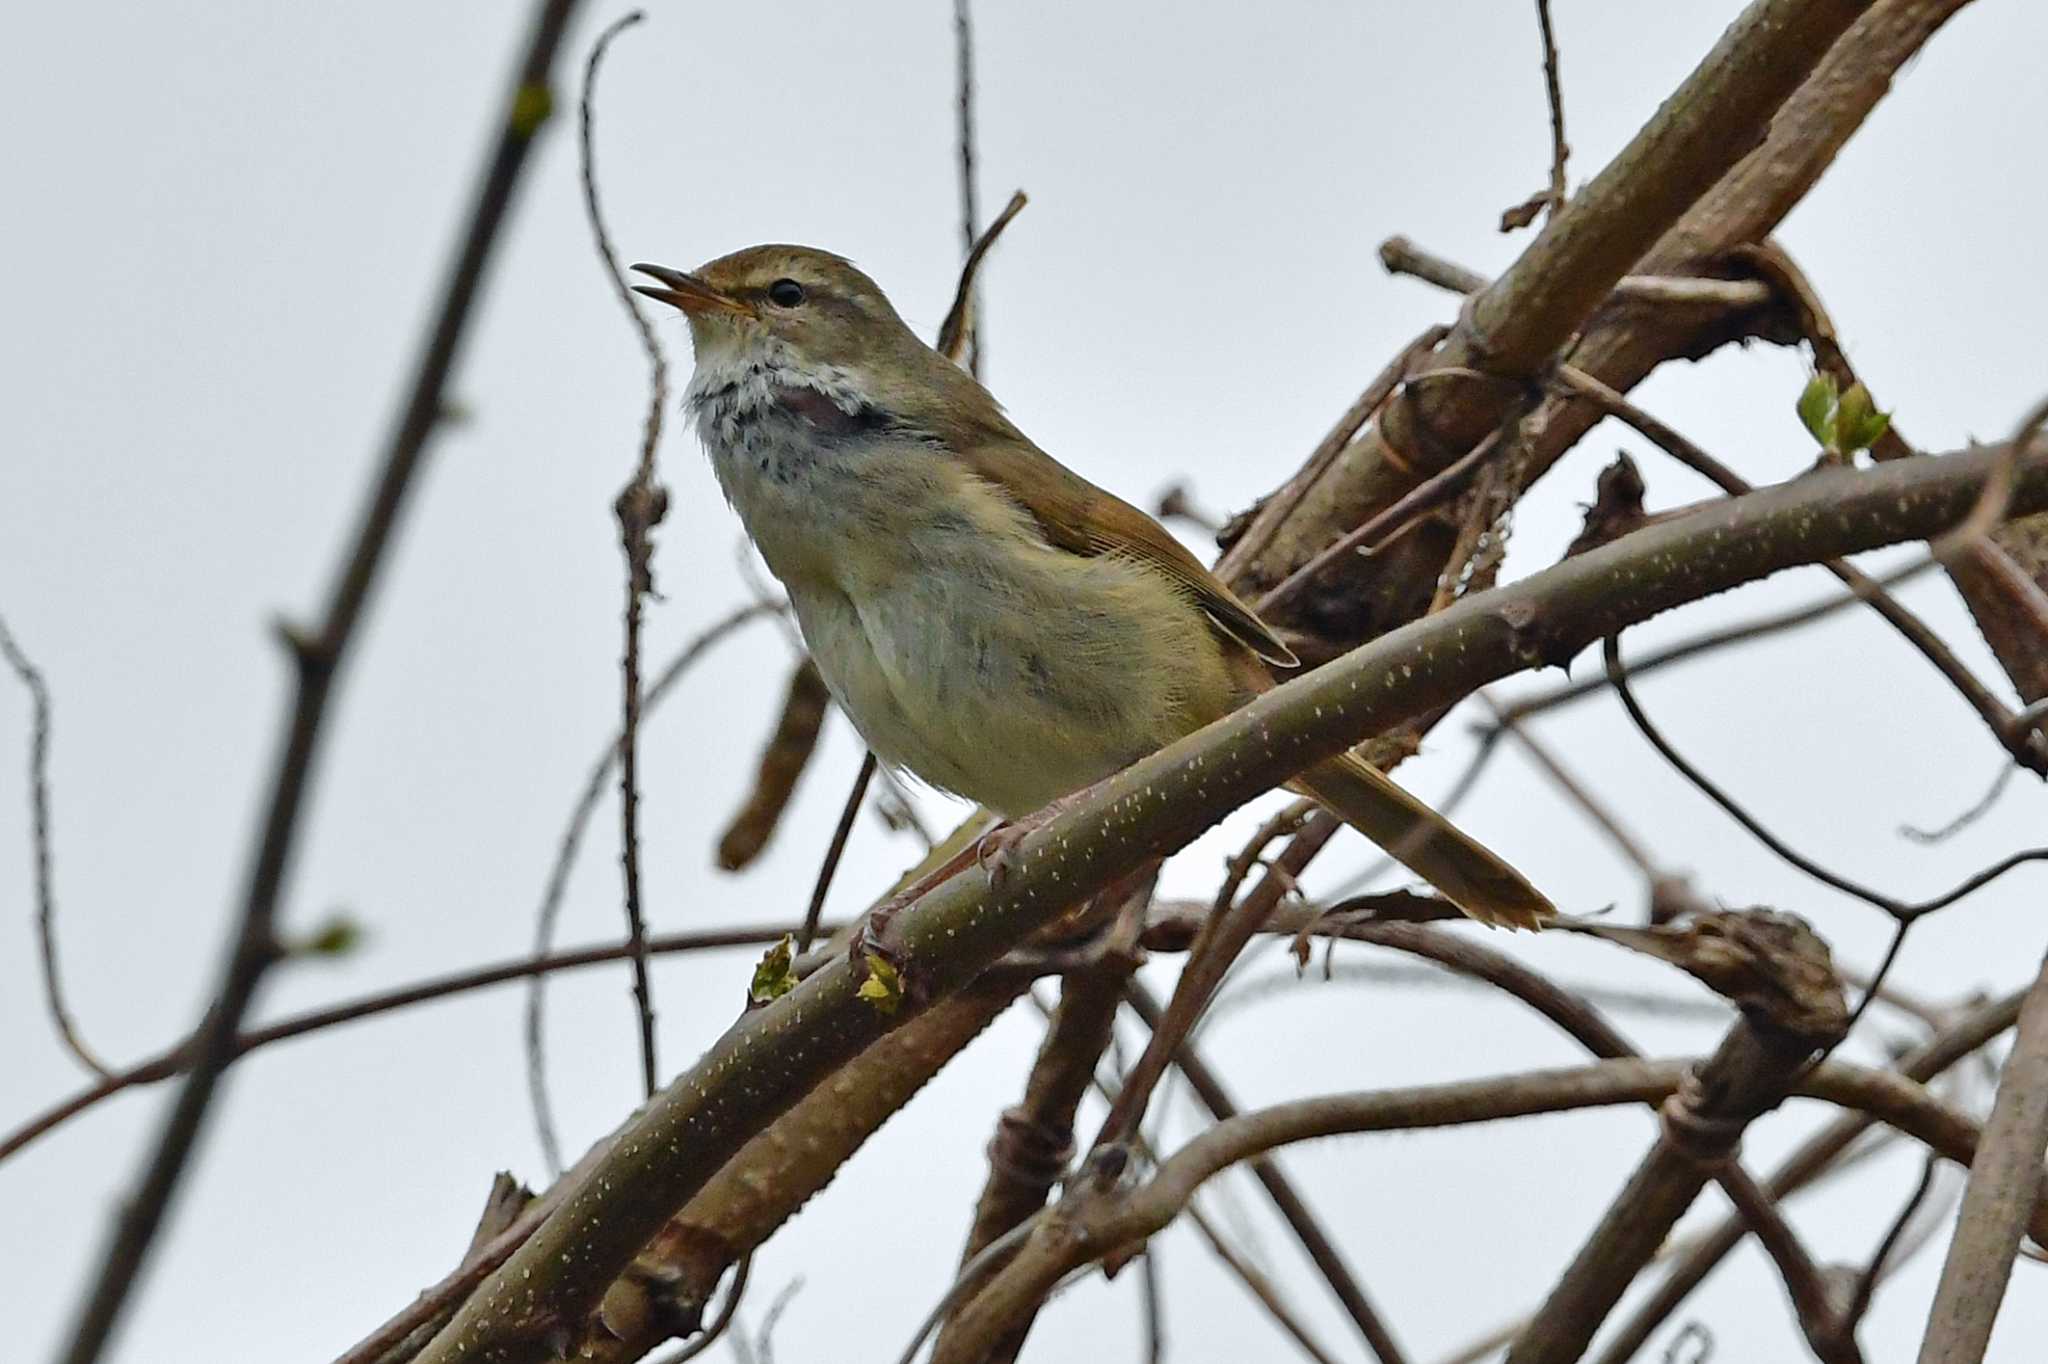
x=1081, y=518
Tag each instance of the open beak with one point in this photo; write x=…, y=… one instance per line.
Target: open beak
x=692, y=295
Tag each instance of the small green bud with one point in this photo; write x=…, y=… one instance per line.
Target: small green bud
x=531, y=107
x=884, y=987
x=1817, y=408
x=772, y=975
x=1858, y=423
x=338, y=937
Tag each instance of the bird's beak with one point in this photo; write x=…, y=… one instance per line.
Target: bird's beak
x=689, y=293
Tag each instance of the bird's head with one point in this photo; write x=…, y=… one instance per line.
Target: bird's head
x=813, y=309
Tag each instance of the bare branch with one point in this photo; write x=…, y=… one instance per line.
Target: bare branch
x=40, y=849
x=1400, y=255
x=1093, y=1221
x=318, y=655
x=1902, y=911
x=1816, y=1155
x=954, y=340
x=1551, y=199
x=640, y=507
x=1997, y=716
x=174, y=1061
x=550, y=908
x=783, y=759
x=775, y=1055
x=2005, y=1182
x=834, y=851
x=1292, y=1207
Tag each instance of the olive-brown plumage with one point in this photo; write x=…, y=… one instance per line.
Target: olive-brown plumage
x=989, y=619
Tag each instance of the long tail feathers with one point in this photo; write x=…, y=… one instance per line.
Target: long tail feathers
x=1467, y=873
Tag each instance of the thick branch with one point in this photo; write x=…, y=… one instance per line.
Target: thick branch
x=774, y=1056
x=1091, y=1223
x=1620, y=343
x=2005, y=1182
x=1751, y=1072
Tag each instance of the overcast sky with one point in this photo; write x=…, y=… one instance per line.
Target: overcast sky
x=224, y=225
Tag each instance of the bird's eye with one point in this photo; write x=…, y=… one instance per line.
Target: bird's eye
x=785, y=293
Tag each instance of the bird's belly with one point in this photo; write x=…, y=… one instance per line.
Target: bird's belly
x=1010, y=688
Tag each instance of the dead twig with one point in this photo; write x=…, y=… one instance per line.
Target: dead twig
x=954, y=339
x=1551, y=199
x=1797, y=1010
x=640, y=507
x=833, y=852
x=1997, y=716
x=40, y=848
x=550, y=909
x=1402, y=256
x=1901, y=911
x=1292, y=1207
x=1976, y=811
x=172, y=1062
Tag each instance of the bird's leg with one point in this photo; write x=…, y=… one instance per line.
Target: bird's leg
x=992, y=852
x=871, y=935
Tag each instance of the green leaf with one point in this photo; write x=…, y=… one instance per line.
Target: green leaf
x=772, y=975
x=884, y=987
x=1868, y=434
x=1817, y=408
x=1858, y=423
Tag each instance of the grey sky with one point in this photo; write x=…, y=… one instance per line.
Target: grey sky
x=223, y=223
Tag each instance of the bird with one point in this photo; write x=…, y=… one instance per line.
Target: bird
x=990, y=621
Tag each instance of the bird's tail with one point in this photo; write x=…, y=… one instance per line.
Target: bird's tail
x=1470, y=875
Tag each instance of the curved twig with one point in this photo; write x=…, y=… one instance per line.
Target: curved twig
x=40, y=842
x=550, y=908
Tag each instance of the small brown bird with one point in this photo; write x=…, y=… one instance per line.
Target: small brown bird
x=989, y=620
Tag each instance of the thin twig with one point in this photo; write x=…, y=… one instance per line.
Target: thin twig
x=709, y=1336
x=40, y=847
x=172, y=1062
x=1401, y=256
x=1997, y=716
x=970, y=195
x=1820, y=1154
x=1548, y=201
x=1711, y=641
x=1292, y=1207
x=1977, y=810
x=1387, y=524
x=557, y=884
x=952, y=340
x=319, y=655
x=1261, y=1287
x=1276, y=510
x=639, y=508
x=1152, y=1294
x=1608, y=822
x=837, y=848
x=1900, y=910
x=1880, y=1259
x=1216, y=948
